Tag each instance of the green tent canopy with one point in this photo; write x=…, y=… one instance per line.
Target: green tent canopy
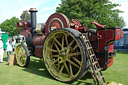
x=4, y=38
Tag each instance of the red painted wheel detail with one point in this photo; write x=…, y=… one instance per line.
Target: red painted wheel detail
x=55, y=21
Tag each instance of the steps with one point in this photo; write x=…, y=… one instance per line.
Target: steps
x=94, y=66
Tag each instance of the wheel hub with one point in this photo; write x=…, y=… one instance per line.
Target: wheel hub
x=63, y=55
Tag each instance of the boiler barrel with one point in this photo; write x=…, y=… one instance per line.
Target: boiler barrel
x=38, y=39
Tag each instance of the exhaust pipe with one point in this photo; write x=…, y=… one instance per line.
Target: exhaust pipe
x=33, y=19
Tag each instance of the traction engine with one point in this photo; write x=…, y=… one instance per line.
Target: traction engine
x=58, y=42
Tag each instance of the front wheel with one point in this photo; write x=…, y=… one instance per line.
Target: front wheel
x=64, y=54
x=22, y=55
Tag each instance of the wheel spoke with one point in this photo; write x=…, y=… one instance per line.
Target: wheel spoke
x=19, y=49
x=56, y=46
x=66, y=39
x=62, y=41
x=23, y=61
x=71, y=69
x=18, y=52
x=57, y=42
x=61, y=70
x=73, y=54
x=58, y=64
x=66, y=67
x=75, y=47
x=23, y=52
x=24, y=55
x=52, y=50
x=53, y=62
x=22, y=58
x=76, y=60
x=71, y=43
x=55, y=55
x=22, y=49
x=73, y=63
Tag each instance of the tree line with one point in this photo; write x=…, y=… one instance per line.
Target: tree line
x=85, y=11
x=10, y=25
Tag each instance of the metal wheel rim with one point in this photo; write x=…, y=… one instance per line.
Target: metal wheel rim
x=53, y=61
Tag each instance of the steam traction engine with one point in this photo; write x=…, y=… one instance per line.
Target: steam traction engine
x=68, y=49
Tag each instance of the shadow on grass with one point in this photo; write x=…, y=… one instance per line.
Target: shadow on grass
x=82, y=82
x=5, y=59
x=87, y=76
x=84, y=79
x=37, y=67
x=122, y=52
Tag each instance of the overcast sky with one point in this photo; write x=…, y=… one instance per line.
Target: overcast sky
x=10, y=8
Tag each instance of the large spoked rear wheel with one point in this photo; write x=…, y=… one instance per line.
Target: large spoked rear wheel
x=64, y=54
x=22, y=55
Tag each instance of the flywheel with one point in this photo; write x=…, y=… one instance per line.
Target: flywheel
x=56, y=20
x=64, y=54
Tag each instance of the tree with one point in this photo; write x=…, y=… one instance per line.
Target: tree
x=86, y=11
x=9, y=26
x=25, y=15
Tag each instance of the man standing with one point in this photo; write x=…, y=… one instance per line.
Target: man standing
x=1, y=50
x=9, y=48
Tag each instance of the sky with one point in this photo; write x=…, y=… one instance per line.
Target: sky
x=11, y=8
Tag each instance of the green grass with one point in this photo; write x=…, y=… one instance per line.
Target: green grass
x=37, y=74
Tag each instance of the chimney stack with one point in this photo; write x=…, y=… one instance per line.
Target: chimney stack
x=33, y=17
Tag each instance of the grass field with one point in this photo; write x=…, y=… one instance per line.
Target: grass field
x=37, y=74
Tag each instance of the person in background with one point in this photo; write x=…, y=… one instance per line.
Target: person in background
x=9, y=48
x=1, y=50
x=14, y=43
